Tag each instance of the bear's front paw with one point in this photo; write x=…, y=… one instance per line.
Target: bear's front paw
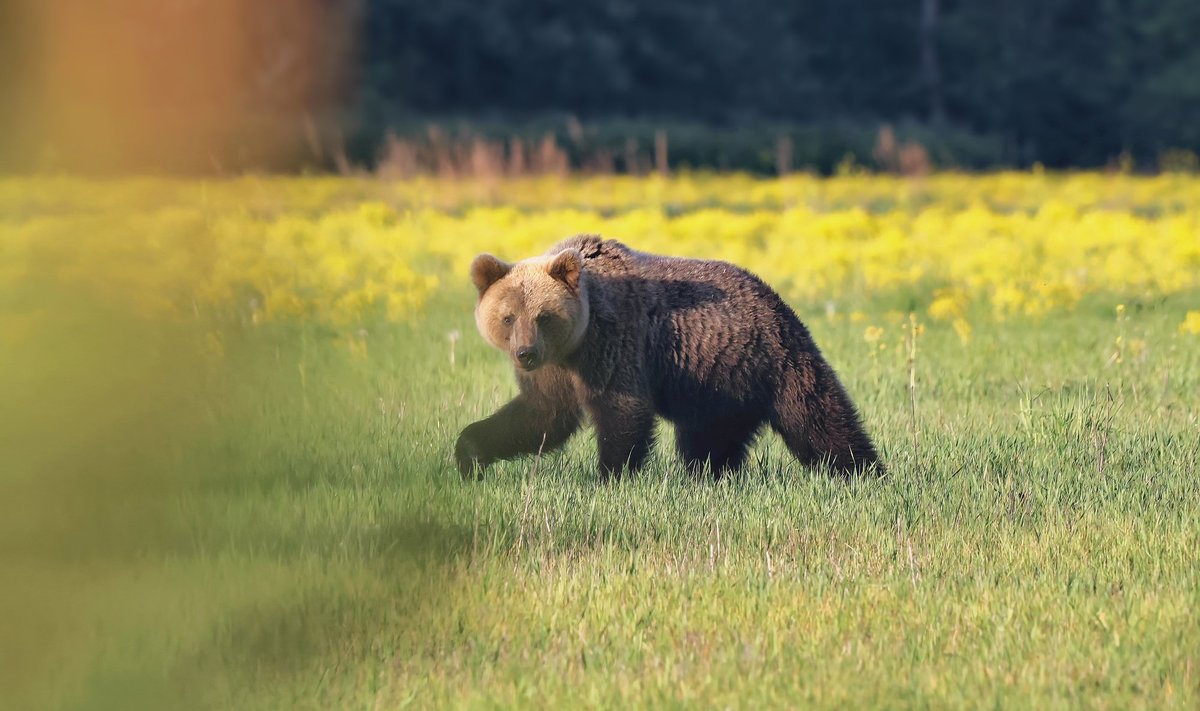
x=469, y=456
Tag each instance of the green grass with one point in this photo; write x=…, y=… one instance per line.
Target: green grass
x=285, y=530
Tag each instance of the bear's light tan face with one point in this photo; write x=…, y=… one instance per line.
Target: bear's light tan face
x=535, y=310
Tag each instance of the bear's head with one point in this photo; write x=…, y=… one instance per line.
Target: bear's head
x=536, y=310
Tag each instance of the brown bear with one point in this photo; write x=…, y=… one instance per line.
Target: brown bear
x=595, y=327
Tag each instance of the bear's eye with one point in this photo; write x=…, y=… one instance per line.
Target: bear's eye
x=545, y=319
x=508, y=320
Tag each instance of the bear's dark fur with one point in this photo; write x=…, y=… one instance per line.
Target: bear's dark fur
x=595, y=327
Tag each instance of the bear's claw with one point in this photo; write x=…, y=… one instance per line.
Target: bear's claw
x=469, y=457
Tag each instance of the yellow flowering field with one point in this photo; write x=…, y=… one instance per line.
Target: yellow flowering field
x=342, y=250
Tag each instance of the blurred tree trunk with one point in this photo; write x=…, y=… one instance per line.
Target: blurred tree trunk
x=931, y=75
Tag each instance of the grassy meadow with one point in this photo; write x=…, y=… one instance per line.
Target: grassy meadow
x=229, y=409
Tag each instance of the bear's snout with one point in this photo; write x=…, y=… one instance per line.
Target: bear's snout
x=528, y=357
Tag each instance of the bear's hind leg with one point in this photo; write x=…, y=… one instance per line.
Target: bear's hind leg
x=722, y=446
x=818, y=422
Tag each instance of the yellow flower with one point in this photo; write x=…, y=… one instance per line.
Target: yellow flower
x=872, y=334
x=1191, y=324
x=944, y=307
x=963, y=328
x=339, y=251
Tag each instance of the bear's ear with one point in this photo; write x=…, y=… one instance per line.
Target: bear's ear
x=487, y=270
x=566, y=267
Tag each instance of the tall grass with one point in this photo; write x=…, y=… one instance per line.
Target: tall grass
x=204, y=510
x=287, y=531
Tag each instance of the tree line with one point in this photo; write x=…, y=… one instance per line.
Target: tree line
x=1064, y=82
x=985, y=82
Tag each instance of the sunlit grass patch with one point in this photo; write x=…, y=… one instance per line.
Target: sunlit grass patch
x=207, y=502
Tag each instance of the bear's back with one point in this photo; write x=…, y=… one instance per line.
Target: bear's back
x=612, y=259
x=713, y=333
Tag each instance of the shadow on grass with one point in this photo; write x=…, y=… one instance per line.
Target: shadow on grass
x=174, y=524
x=291, y=643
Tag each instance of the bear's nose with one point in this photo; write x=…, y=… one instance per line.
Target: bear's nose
x=527, y=356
